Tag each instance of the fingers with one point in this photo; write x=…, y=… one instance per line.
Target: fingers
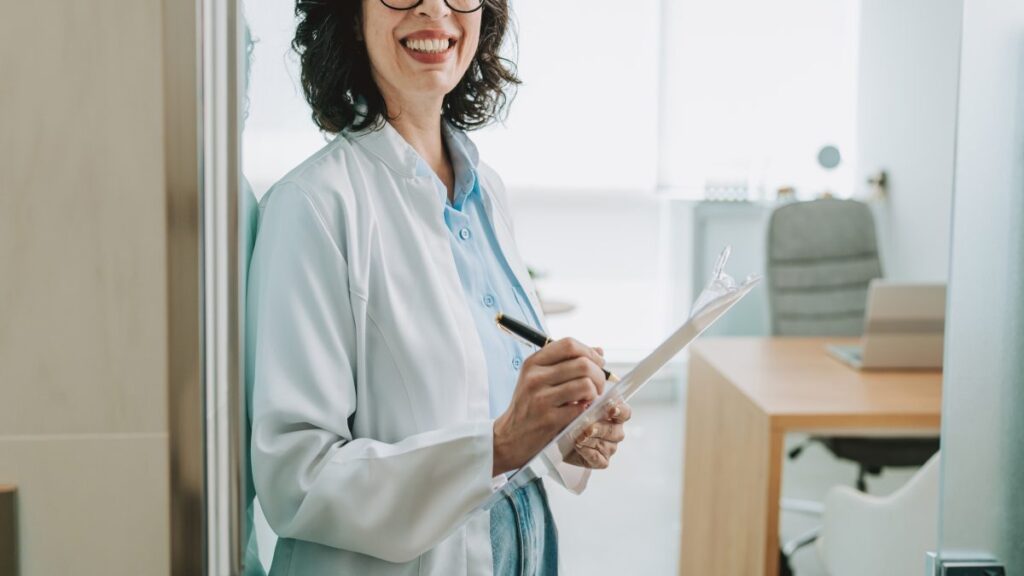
x=581, y=391
x=611, y=428
x=537, y=376
x=605, y=430
x=579, y=367
x=619, y=412
x=597, y=457
x=607, y=434
x=598, y=443
x=564, y=361
x=566, y=413
x=565, y=349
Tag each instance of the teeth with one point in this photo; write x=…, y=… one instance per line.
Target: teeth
x=430, y=46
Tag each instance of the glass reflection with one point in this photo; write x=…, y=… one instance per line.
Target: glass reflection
x=248, y=216
x=277, y=135
x=740, y=124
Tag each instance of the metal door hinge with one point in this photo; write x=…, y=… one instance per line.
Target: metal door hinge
x=963, y=565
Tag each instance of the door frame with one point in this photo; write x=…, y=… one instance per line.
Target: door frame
x=201, y=139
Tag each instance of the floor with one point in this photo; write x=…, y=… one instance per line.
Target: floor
x=628, y=520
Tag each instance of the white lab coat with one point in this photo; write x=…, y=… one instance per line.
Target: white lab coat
x=371, y=438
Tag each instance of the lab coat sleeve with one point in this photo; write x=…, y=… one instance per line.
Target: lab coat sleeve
x=393, y=501
x=573, y=478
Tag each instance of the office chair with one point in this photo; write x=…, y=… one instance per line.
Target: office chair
x=822, y=255
x=881, y=536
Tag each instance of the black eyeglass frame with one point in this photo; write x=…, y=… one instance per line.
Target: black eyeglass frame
x=446, y=3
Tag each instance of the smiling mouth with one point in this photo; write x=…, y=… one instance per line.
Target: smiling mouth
x=429, y=45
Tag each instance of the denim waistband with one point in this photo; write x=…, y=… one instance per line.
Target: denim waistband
x=524, y=540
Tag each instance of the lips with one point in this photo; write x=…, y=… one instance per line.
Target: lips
x=429, y=46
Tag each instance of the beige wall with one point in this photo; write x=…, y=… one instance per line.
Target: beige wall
x=83, y=345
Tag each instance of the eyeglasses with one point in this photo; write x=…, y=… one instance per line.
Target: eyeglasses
x=460, y=6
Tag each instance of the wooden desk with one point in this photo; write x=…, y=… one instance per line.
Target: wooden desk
x=744, y=395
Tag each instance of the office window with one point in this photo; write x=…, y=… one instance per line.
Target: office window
x=585, y=118
x=752, y=90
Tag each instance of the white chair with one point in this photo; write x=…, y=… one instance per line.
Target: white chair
x=882, y=536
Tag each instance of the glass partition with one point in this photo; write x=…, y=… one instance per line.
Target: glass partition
x=277, y=134
x=983, y=452
x=646, y=136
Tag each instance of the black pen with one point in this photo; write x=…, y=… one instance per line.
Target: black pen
x=531, y=336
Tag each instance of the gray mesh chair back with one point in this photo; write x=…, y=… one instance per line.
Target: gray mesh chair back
x=822, y=255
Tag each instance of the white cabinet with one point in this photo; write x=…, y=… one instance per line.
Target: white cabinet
x=744, y=226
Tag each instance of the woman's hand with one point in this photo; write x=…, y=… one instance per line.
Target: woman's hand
x=556, y=384
x=597, y=444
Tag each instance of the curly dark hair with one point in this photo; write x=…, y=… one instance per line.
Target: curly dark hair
x=336, y=76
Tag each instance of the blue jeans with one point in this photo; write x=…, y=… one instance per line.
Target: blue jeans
x=524, y=540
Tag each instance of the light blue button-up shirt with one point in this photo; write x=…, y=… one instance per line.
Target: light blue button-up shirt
x=487, y=280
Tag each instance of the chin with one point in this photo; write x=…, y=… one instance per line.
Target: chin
x=432, y=83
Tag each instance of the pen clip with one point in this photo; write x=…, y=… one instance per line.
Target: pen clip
x=506, y=330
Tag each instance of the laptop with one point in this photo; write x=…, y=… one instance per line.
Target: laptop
x=903, y=328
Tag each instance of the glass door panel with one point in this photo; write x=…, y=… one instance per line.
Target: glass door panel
x=982, y=504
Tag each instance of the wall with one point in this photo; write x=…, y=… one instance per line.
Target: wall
x=83, y=349
x=906, y=124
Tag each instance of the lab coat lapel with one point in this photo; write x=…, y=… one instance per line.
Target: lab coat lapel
x=430, y=217
x=427, y=214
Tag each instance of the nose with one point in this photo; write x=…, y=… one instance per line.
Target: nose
x=433, y=9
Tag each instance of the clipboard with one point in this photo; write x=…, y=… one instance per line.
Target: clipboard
x=720, y=295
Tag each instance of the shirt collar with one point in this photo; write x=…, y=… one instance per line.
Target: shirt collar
x=464, y=157
x=388, y=145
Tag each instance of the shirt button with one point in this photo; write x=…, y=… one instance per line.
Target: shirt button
x=464, y=233
x=489, y=301
x=516, y=363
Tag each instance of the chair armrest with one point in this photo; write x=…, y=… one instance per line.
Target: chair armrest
x=882, y=536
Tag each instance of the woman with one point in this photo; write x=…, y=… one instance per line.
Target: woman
x=386, y=404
